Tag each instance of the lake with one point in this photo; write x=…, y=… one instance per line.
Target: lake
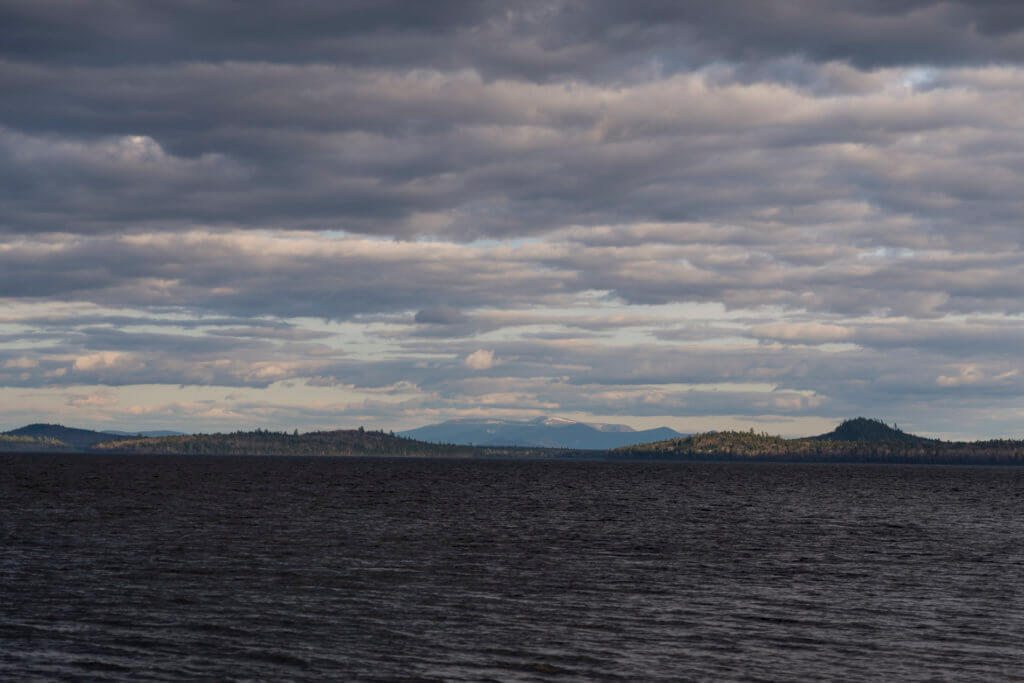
x=234, y=568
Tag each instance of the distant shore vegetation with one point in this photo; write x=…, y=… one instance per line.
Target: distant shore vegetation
x=13, y=442
x=343, y=442
x=749, y=446
x=857, y=440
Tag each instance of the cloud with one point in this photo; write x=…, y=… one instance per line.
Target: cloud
x=243, y=274
x=96, y=399
x=790, y=211
x=96, y=150
x=440, y=315
x=480, y=360
x=814, y=333
x=102, y=360
x=532, y=39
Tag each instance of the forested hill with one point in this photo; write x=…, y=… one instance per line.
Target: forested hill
x=749, y=446
x=863, y=429
x=339, y=442
x=71, y=438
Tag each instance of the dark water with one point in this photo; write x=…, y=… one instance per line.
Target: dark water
x=134, y=568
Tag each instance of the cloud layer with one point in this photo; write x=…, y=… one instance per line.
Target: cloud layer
x=785, y=213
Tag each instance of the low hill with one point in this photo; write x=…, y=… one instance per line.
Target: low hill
x=728, y=444
x=543, y=432
x=863, y=429
x=339, y=442
x=78, y=439
x=886, y=446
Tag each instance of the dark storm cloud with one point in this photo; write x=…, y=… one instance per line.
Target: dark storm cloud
x=400, y=120
x=870, y=34
x=528, y=38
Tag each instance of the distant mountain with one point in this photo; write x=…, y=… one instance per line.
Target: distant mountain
x=869, y=430
x=543, y=432
x=78, y=439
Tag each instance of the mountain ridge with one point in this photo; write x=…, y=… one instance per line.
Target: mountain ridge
x=541, y=432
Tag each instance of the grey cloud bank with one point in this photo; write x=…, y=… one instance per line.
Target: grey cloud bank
x=774, y=212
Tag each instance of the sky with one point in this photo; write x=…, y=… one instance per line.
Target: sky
x=775, y=215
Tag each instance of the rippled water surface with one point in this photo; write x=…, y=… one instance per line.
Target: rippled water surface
x=134, y=568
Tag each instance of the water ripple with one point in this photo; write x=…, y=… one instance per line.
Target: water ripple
x=167, y=568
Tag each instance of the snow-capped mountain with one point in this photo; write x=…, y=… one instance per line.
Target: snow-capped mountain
x=552, y=432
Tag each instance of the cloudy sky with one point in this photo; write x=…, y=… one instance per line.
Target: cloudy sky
x=220, y=215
